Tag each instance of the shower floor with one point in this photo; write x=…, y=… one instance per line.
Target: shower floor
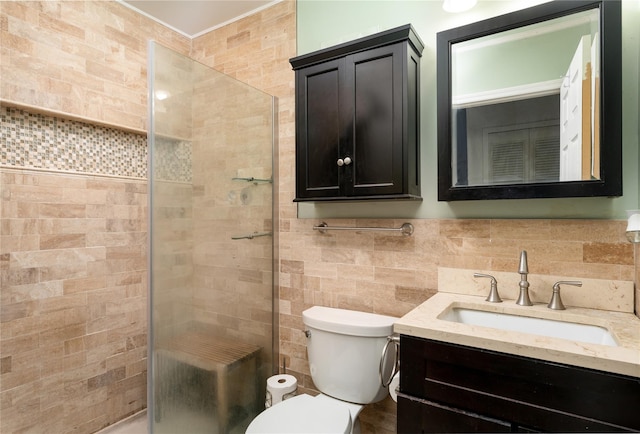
x=184, y=422
x=136, y=424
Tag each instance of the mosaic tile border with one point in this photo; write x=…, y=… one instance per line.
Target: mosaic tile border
x=37, y=141
x=172, y=160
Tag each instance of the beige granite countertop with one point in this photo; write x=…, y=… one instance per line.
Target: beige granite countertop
x=624, y=359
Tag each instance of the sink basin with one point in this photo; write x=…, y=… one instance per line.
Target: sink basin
x=538, y=326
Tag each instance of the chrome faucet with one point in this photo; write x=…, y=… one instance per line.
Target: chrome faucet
x=523, y=269
x=493, y=296
x=556, y=301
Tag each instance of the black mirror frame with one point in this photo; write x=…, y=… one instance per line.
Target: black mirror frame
x=610, y=182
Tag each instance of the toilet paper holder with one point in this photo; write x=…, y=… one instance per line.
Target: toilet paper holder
x=395, y=341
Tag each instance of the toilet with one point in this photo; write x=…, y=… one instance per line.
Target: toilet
x=344, y=349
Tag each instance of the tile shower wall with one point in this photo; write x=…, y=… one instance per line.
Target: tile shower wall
x=74, y=212
x=234, y=284
x=233, y=279
x=73, y=274
x=82, y=58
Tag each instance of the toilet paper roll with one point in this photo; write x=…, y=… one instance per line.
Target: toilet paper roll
x=279, y=388
x=393, y=386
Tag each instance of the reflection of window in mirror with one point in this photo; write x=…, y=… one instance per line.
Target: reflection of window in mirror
x=507, y=143
x=519, y=119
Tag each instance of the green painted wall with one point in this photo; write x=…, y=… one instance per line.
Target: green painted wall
x=323, y=23
x=516, y=62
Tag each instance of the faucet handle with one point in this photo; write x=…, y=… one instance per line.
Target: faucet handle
x=493, y=296
x=523, y=268
x=556, y=300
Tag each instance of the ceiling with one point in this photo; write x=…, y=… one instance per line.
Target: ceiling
x=195, y=17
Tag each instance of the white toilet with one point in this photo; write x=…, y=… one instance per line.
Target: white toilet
x=344, y=348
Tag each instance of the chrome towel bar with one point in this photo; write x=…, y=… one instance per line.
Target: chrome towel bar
x=406, y=228
x=252, y=236
x=252, y=179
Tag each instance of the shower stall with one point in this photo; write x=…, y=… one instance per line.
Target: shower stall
x=212, y=306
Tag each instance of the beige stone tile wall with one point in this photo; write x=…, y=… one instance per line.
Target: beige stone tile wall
x=173, y=243
x=83, y=58
x=73, y=324
x=233, y=291
x=366, y=271
x=254, y=50
x=173, y=73
x=391, y=274
x=73, y=247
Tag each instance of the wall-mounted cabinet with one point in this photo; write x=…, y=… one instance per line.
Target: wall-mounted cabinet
x=357, y=119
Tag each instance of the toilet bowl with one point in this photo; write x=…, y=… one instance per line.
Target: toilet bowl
x=345, y=348
x=308, y=414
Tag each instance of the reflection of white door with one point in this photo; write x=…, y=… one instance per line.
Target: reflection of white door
x=575, y=116
x=595, y=103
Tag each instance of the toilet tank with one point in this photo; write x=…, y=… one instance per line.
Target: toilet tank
x=344, y=348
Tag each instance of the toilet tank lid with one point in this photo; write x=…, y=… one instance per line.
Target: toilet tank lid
x=348, y=322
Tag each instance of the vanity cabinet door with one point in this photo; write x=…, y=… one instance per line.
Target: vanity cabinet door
x=530, y=394
x=421, y=416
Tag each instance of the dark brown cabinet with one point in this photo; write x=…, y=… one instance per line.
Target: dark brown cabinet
x=452, y=388
x=357, y=119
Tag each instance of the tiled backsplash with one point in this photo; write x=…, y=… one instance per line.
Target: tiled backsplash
x=601, y=294
x=37, y=141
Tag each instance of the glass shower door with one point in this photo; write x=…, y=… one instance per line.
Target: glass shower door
x=211, y=333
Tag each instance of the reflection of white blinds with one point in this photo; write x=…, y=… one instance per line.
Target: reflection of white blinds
x=546, y=160
x=527, y=154
x=507, y=160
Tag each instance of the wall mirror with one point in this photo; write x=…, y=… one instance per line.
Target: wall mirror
x=530, y=104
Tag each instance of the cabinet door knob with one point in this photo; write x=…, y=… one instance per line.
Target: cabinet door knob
x=344, y=162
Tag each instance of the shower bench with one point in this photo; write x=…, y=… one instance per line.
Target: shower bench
x=215, y=355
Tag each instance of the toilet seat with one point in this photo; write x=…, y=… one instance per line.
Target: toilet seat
x=303, y=414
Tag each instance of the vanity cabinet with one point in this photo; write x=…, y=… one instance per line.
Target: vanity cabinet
x=357, y=119
x=452, y=388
